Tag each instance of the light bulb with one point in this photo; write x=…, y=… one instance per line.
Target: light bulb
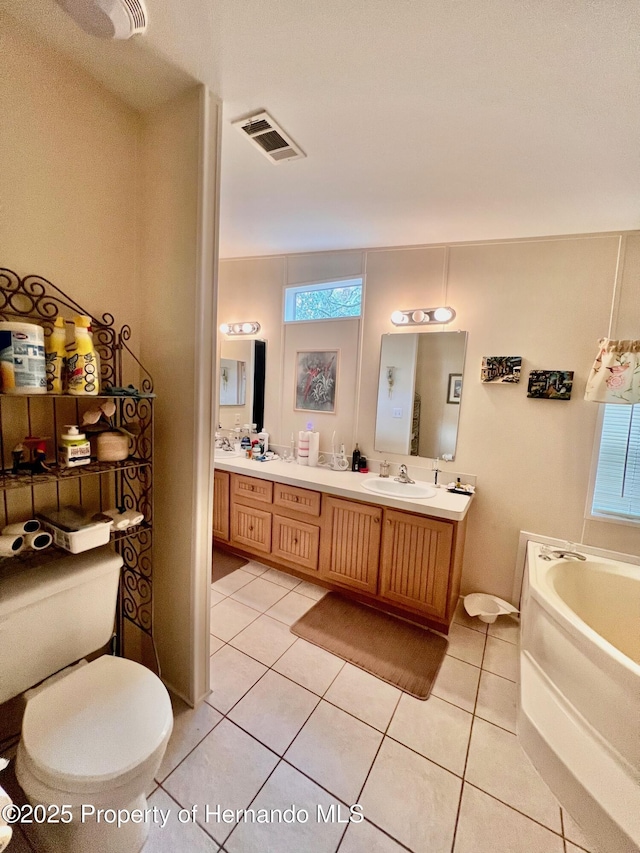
x=399, y=317
x=443, y=315
x=418, y=316
x=237, y=328
x=247, y=328
x=225, y=328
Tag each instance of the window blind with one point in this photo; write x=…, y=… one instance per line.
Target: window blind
x=617, y=488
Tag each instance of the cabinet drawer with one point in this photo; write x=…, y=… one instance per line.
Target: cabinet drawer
x=295, y=542
x=251, y=528
x=250, y=488
x=300, y=500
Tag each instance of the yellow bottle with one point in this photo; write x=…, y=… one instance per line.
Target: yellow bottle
x=83, y=378
x=55, y=353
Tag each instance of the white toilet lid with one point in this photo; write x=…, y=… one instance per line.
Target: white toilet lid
x=99, y=723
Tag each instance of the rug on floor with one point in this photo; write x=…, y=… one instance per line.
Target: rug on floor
x=224, y=563
x=398, y=652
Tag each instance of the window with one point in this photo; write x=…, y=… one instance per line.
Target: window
x=327, y=300
x=617, y=487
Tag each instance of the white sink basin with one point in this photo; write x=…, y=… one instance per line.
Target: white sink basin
x=393, y=489
x=220, y=454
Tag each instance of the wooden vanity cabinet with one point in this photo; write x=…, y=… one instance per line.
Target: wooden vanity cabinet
x=221, y=505
x=350, y=547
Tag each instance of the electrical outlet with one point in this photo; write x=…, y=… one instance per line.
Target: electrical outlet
x=237, y=420
x=397, y=413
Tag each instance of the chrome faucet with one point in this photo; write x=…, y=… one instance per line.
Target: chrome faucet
x=403, y=475
x=562, y=553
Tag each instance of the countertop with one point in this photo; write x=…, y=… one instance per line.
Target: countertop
x=347, y=484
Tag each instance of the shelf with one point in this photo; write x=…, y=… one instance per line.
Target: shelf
x=9, y=481
x=79, y=397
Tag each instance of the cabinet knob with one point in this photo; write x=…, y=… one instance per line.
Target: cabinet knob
x=376, y=520
x=296, y=498
x=250, y=529
x=295, y=541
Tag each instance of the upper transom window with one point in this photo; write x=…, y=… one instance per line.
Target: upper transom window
x=327, y=300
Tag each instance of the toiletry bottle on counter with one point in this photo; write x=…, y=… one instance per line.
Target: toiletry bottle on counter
x=55, y=353
x=74, y=449
x=82, y=361
x=355, y=459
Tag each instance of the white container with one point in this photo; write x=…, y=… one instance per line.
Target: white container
x=22, y=358
x=487, y=607
x=74, y=531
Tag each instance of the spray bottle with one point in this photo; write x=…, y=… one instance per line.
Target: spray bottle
x=56, y=356
x=82, y=361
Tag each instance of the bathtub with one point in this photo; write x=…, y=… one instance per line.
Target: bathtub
x=579, y=710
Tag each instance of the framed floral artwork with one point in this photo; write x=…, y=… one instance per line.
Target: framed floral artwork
x=316, y=380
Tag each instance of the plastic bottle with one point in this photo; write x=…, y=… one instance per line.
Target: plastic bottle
x=74, y=449
x=82, y=361
x=55, y=350
x=355, y=459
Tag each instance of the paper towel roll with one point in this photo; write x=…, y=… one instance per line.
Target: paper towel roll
x=11, y=545
x=303, y=447
x=21, y=527
x=37, y=541
x=314, y=448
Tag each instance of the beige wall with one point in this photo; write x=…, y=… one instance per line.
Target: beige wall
x=548, y=300
x=68, y=170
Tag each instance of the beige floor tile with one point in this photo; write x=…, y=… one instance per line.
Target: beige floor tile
x=435, y=729
x=498, y=766
x=487, y=826
x=502, y=658
x=228, y=768
x=190, y=726
x=259, y=594
x=335, y=750
x=364, y=836
x=230, y=617
x=175, y=835
x=572, y=848
x=255, y=568
x=290, y=608
x=282, y=578
x=274, y=710
x=312, y=590
x=457, y=682
x=574, y=833
x=364, y=696
x=465, y=644
x=286, y=787
x=462, y=618
x=214, y=644
x=232, y=674
x=216, y=597
x=265, y=640
x=412, y=799
x=497, y=701
x=232, y=582
x=506, y=628
x=309, y=665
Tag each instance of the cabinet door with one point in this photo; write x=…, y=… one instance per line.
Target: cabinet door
x=221, y=505
x=251, y=528
x=295, y=542
x=415, y=562
x=350, y=544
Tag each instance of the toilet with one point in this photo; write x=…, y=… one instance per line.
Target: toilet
x=94, y=734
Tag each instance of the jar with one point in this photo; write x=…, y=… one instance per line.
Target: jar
x=112, y=447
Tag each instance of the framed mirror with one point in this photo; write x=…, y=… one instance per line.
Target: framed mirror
x=241, y=376
x=419, y=393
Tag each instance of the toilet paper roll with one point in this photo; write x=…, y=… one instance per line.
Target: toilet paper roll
x=303, y=447
x=314, y=448
x=11, y=545
x=21, y=527
x=37, y=541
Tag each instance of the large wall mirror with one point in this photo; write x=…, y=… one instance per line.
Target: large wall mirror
x=241, y=383
x=419, y=393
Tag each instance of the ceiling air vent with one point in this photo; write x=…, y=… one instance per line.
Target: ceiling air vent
x=269, y=138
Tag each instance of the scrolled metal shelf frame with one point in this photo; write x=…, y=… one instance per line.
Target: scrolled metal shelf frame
x=35, y=298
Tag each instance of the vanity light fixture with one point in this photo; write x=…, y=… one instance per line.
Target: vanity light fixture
x=247, y=328
x=422, y=316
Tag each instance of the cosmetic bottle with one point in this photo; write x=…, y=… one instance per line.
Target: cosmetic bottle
x=355, y=459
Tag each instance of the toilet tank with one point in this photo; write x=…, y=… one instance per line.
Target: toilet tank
x=53, y=613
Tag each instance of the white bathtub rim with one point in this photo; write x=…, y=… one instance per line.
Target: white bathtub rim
x=546, y=596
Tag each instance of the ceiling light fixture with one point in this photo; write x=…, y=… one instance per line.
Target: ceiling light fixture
x=246, y=328
x=422, y=316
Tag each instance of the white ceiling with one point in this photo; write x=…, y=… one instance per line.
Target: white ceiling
x=429, y=120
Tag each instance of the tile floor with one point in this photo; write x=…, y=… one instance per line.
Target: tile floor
x=289, y=724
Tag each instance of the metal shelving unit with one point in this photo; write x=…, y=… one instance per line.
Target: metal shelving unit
x=96, y=486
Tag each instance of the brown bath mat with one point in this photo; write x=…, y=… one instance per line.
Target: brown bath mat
x=396, y=651
x=224, y=563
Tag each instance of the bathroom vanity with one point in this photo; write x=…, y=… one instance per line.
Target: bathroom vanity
x=401, y=555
